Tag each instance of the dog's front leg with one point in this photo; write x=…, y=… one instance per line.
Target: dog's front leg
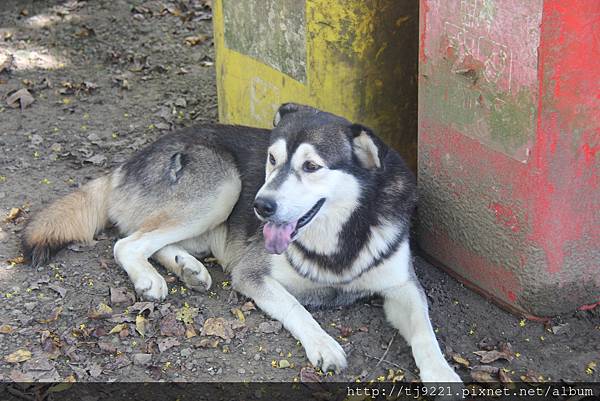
x=272, y=297
x=406, y=308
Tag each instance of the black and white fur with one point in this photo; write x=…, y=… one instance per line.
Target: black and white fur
x=196, y=191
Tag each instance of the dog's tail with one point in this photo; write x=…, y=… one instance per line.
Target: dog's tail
x=76, y=217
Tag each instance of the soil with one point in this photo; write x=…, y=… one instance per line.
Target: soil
x=107, y=78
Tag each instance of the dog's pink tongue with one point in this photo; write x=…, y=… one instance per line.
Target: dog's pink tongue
x=278, y=237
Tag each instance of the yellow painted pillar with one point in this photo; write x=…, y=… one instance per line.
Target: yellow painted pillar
x=356, y=58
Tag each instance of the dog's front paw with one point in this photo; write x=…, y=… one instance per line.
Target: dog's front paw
x=151, y=286
x=325, y=353
x=195, y=275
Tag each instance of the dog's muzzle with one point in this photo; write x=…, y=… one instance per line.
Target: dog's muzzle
x=278, y=236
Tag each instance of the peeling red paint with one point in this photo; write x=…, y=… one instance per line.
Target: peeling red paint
x=589, y=306
x=547, y=206
x=590, y=152
x=570, y=69
x=505, y=215
x=423, y=10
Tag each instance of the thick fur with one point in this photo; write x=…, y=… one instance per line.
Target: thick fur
x=76, y=217
x=192, y=193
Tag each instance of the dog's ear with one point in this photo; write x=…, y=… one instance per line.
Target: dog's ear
x=284, y=109
x=368, y=149
x=288, y=108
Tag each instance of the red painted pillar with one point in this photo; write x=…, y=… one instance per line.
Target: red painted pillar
x=509, y=140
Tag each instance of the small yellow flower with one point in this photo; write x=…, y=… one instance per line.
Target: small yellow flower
x=590, y=368
x=522, y=322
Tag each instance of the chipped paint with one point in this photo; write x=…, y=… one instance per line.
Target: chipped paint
x=360, y=63
x=488, y=210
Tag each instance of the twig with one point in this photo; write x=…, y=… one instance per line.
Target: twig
x=387, y=349
x=386, y=361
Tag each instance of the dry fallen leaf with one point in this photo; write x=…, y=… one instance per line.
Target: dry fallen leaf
x=50, y=344
x=6, y=329
x=167, y=343
x=208, y=343
x=238, y=314
x=19, y=355
x=196, y=40
x=345, y=331
x=53, y=315
x=460, y=360
x=21, y=98
x=190, y=331
x=118, y=328
x=169, y=326
x=217, y=326
x=248, y=306
x=482, y=376
x=17, y=260
x=309, y=375
x=102, y=311
x=121, y=295
x=13, y=214
x=140, y=325
x=493, y=355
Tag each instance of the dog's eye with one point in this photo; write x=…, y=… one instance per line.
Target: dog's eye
x=271, y=159
x=310, y=167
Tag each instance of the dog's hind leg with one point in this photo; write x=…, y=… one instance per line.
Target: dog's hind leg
x=168, y=227
x=132, y=254
x=189, y=269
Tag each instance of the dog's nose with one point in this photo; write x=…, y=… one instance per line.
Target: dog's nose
x=265, y=207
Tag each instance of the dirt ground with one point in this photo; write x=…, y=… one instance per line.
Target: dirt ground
x=107, y=78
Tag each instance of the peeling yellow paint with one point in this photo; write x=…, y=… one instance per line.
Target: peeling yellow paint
x=353, y=69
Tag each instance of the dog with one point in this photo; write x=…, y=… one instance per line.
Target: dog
x=323, y=221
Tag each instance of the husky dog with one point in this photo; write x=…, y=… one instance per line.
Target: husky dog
x=315, y=214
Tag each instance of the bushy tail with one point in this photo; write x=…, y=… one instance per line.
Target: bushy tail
x=76, y=217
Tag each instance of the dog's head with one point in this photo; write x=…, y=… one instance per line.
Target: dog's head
x=315, y=166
